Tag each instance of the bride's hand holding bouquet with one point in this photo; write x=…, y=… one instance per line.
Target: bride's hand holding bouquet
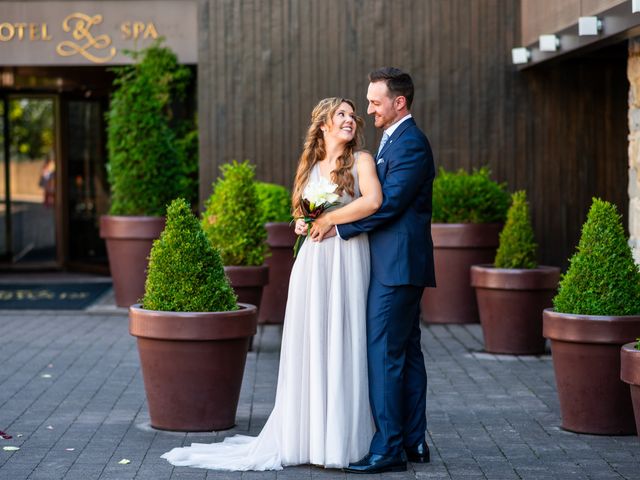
x=316, y=198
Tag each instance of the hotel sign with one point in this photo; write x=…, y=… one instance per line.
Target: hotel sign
x=94, y=33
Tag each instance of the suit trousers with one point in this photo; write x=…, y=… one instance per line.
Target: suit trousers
x=397, y=376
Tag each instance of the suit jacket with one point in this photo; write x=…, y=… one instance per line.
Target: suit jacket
x=400, y=231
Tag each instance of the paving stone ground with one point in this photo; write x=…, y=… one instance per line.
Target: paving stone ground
x=71, y=394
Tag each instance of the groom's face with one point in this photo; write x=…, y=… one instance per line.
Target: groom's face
x=381, y=105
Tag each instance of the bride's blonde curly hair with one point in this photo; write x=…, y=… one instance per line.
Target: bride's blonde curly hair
x=314, y=151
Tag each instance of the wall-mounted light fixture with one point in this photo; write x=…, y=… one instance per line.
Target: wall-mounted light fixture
x=520, y=55
x=589, y=26
x=549, y=43
x=635, y=6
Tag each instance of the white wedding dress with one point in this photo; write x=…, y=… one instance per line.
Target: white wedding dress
x=321, y=414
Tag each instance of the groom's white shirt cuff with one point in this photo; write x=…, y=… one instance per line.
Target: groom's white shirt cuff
x=337, y=232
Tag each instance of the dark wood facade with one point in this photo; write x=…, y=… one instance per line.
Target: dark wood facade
x=558, y=131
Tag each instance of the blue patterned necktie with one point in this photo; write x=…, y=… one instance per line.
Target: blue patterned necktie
x=385, y=137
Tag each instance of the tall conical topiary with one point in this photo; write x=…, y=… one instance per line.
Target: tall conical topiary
x=602, y=278
x=185, y=272
x=517, y=248
x=233, y=219
x=149, y=164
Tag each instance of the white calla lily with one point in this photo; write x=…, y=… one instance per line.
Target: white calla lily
x=320, y=192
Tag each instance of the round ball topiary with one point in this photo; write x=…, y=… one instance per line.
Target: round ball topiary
x=274, y=201
x=517, y=248
x=462, y=197
x=148, y=164
x=602, y=278
x=232, y=219
x=185, y=272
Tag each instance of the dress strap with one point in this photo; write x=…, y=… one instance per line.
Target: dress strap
x=354, y=172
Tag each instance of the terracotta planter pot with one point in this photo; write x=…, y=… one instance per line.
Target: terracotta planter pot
x=129, y=241
x=586, y=361
x=192, y=365
x=280, y=238
x=510, y=303
x=457, y=246
x=630, y=373
x=248, y=282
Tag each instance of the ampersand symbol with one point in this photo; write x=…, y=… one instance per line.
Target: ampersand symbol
x=82, y=25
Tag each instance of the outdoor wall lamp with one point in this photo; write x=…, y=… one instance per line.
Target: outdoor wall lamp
x=520, y=55
x=549, y=43
x=589, y=26
x=635, y=6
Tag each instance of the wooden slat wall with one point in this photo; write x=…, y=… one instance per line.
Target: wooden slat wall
x=558, y=131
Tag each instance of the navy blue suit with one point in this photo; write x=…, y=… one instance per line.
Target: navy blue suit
x=401, y=266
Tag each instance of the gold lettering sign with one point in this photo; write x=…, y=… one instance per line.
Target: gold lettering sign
x=36, y=31
x=135, y=30
x=80, y=31
x=63, y=32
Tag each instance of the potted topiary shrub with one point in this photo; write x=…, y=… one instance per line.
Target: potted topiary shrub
x=513, y=291
x=275, y=205
x=233, y=223
x=192, y=336
x=596, y=311
x=468, y=213
x=630, y=373
x=147, y=165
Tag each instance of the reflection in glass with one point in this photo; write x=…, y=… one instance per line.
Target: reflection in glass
x=32, y=181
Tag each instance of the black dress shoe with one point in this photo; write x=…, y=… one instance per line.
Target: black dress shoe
x=419, y=453
x=373, y=463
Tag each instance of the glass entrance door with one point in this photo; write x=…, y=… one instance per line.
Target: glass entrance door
x=86, y=177
x=28, y=180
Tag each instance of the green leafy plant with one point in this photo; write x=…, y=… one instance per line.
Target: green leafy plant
x=517, y=248
x=638, y=343
x=274, y=201
x=462, y=197
x=602, y=278
x=187, y=146
x=232, y=219
x=185, y=272
x=149, y=163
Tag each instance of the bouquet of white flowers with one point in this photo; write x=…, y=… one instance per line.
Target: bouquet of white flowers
x=316, y=198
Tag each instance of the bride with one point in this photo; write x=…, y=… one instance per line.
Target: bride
x=321, y=414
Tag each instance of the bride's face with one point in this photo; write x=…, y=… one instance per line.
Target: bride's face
x=342, y=126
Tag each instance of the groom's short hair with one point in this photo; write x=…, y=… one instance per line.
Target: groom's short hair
x=398, y=82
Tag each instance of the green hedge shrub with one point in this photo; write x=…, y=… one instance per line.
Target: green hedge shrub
x=232, y=219
x=186, y=273
x=148, y=164
x=602, y=278
x=462, y=197
x=275, y=202
x=517, y=248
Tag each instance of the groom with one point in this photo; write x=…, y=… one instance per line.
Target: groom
x=401, y=266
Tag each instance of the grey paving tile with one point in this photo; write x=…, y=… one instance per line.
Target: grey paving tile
x=490, y=416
